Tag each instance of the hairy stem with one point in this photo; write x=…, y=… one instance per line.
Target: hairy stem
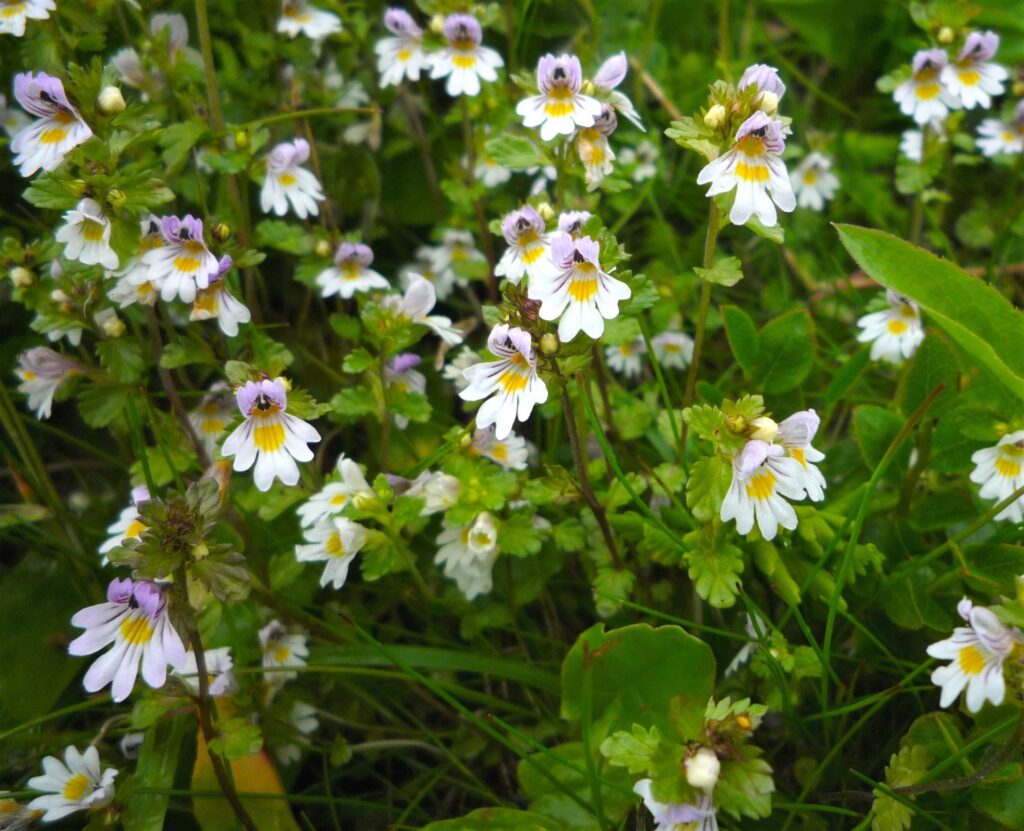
x=705, y=303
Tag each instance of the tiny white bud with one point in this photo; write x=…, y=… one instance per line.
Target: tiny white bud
x=769, y=102
x=363, y=500
x=22, y=277
x=545, y=211
x=437, y=24
x=702, y=769
x=588, y=87
x=58, y=296
x=112, y=326
x=111, y=101
x=946, y=35
x=763, y=429
x=715, y=116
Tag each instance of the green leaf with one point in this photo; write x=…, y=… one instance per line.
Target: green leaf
x=158, y=761
x=707, y=486
x=123, y=359
x=353, y=402
x=727, y=271
x=908, y=604
x=905, y=767
x=99, y=405
x=497, y=819
x=284, y=236
x=934, y=363
x=357, y=360
x=638, y=675
x=52, y=191
x=742, y=336
x=745, y=784
x=186, y=352
x=236, y=737
x=786, y=352
x=993, y=568
x=514, y=152
x=714, y=568
x=631, y=750
x=975, y=315
x=875, y=429
x=706, y=421
x=518, y=536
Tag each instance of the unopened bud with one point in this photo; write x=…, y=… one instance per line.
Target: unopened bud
x=221, y=232
x=736, y=424
x=200, y=551
x=437, y=24
x=112, y=326
x=116, y=198
x=549, y=344
x=1018, y=88
x=702, y=769
x=743, y=722
x=545, y=211
x=241, y=139
x=946, y=35
x=22, y=277
x=284, y=382
x=79, y=187
x=763, y=428
x=466, y=441
x=111, y=101
x=364, y=500
x=768, y=102
x=588, y=87
x=323, y=248
x=58, y=296
x=715, y=116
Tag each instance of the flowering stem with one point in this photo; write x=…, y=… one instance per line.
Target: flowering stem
x=206, y=724
x=409, y=103
x=302, y=114
x=581, y=468
x=705, y=304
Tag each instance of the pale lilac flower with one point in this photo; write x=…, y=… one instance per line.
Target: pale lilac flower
x=425, y=268
x=217, y=302
x=626, y=358
x=894, y=333
x=182, y=263
x=464, y=62
x=490, y=173
x=924, y=97
x=129, y=525
x=400, y=374
x=11, y=120
x=594, y=150
x=334, y=496
x=304, y=721
x=511, y=452
x=298, y=17
x=439, y=491
x=468, y=554
x=351, y=272
x=58, y=128
x=77, y=784
x=135, y=621
x=765, y=78
x=674, y=817
x=456, y=366
x=972, y=78
x=220, y=680
x=335, y=541
x=560, y=108
x=511, y=384
x=454, y=254
x=287, y=181
x=754, y=168
x=674, y=350
x=42, y=371
x=582, y=294
x=572, y=222
x=976, y=652
x=529, y=249
x=400, y=57
x=282, y=649
x=612, y=73
x=270, y=438
x=1000, y=472
x=996, y=136
x=415, y=305
x=213, y=415
x=796, y=434
x=814, y=183
x=133, y=285
x=761, y=476
x=644, y=160
x=15, y=13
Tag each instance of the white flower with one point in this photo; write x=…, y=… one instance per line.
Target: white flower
x=305, y=722
x=674, y=350
x=976, y=652
x=468, y=554
x=581, y=294
x=219, y=678
x=425, y=268
x=334, y=496
x=86, y=235
x=1000, y=471
x=282, y=649
x=972, y=78
x=128, y=526
x=401, y=374
x=626, y=358
x=76, y=784
x=351, y=272
x=213, y=414
x=761, y=476
x=58, y=128
x=297, y=17
x=12, y=120
x=894, y=333
x=454, y=370
x=336, y=541
x=181, y=263
x=996, y=136
x=439, y=491
x=814, y=183
x=216, y=302
x=269, y=437
x=645, y=158
x=914, y=142
x=796, y=434
x=491, y=173
x=288, y=182
x=401, y=56
x=511, y=383
x=14, y=13
x=529, y=249
x=612, y=73
x=464, y=61
x=42, y=371
x=511, y=452
x=133, y=285
x=134, y=619
x=451, y=257
x=594, y=150
x=754, y=168
x=924, y=97
x=560, y=107
x=419, y=299
x=677, y=817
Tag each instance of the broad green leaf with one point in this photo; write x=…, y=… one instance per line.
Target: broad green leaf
x=123, y=359
x=742, y=335
x=706, y=488
x=975, y=315
x=875, y=428
x=786, y=351
x=934, y=363
x=99, y=405
x=497, y=819
x=513, y=152
x=518, y=536
x=638, y=675
x=727, y=271
x=993, y=567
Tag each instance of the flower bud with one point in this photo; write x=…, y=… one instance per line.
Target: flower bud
x=763, y=428
x=466, y=441
x=715, y=116
x=702, y=769
x=323, y=248
x=110, y=101
x=545, y=211
x=736, y=424
x=116, y=198
x=364, y=500
x=112, y=326
x=79, y=187
x=946, y=35
x=58, y=296
x=437, y=24
x=1018, y=88
x=241, y=139
x=200, y=551
x=588, y=87
x=743, y=722
x=768, y=102
x=22, y=277
x=549, y=344
x=221, y=232
x=284, y=382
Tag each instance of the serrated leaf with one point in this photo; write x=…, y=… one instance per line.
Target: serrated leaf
x=357, y=361
x=122, y=358
x=905, y=767
x=100, y=405
x=706, y=488
x=631, y=750
x=514, y=152
x=706, y=421
x=715, y=572
x=727, y=271
x=518, y=536
x=186, y=352
x=236, y=737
